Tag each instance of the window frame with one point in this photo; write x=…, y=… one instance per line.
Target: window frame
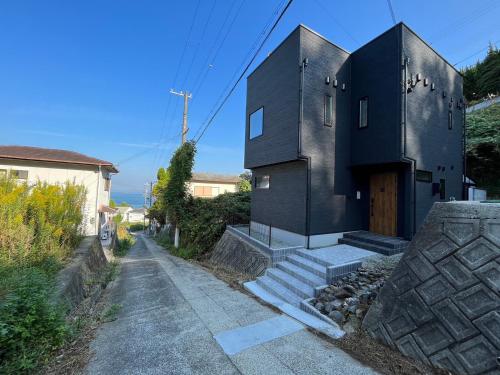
x=256, y=184
x=250, y=124
x=14, y=173
x=422, y=179
x=327, y=98
x=361, y=100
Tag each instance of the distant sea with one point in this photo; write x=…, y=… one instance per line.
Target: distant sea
x=135, y=200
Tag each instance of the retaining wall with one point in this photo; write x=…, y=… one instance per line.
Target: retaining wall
x=80, y=278
x=441, y=305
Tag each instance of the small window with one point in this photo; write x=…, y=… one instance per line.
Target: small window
x=328, y=110
x=256, y=123
x=19, y=174
x=363, y=112
x=442, y=189
x=107, y=184
x=423, y=176
x=203, y=191
x=450, y=120
x=262, y=182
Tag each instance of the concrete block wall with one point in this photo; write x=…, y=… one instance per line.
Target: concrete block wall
x=441, y=305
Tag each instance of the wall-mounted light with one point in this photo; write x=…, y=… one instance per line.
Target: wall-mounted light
x=335, y=82
x=419, y=77
x=433, y=86
x=444, y=94
x=327, y=80
x=426, y=81
x=343, y=87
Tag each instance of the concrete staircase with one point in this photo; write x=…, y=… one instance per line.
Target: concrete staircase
x=301, y=276
x=375, y=242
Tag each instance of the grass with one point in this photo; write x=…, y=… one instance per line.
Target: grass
x=124, y=241
x=111, y=313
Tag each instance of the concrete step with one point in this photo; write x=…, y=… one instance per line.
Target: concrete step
x=300, y=273
x=296, y=286
x=279, y=290
x=378, y=240
x=309, y=255
x=307, y=265
x=370, y=246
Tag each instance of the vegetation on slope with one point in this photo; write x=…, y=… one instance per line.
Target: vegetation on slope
x=483, y=149
x=483, y=78
x=39, y=228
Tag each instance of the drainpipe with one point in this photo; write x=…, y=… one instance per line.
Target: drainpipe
x=404, y=113
x=300, y=155
x=464, y=154
x=97, y=201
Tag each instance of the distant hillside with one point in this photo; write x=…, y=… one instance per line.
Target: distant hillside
x=483, y=149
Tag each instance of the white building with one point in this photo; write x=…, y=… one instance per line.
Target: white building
x=33, y=164
x=208, y=185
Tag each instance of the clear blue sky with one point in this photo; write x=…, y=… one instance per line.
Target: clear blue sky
x=94, y=76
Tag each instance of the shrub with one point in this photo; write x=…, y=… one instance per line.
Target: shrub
x=204, y=221
x=124, y=241
x=30, y=326
x=136, y=227
x=39, y=227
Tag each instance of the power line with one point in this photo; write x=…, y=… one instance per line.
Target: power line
x=391, y=10
x=334, y=19
x=210, y=61
x=475, y=53
x=245, y=70
x=164, y=133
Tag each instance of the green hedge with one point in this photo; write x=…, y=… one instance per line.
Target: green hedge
x=204, y=221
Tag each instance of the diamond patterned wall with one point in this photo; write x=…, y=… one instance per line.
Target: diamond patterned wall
x=441, y=305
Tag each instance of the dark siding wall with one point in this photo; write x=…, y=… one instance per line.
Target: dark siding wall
x=283, y=205
x=328, y=147
x=375, y=73
x=429, y=140
x=274, y=85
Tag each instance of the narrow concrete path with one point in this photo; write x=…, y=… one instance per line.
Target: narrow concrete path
x=171, y=311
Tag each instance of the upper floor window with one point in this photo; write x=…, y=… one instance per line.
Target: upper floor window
x=328, y=110
x=256, y=123
x=450, y=120
x=204, y=191
x=262, y=182
x=19, y=174
x=363, y=112
x=107, y=184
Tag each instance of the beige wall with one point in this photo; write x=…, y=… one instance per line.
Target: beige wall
x=216, y=187
x=59, y=173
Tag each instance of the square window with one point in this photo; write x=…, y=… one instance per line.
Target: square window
x=262, y=182
x=256, y=123
x=328, y=110
x=363, y=112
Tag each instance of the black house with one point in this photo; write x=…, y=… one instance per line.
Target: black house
x=341, y=141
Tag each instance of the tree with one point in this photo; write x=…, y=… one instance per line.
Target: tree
x=123, y=204
x=245, y=183
x=483, y=78
x=176, y=195
x=112, y=203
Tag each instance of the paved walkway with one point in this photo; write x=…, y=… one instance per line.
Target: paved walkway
x=177, y=318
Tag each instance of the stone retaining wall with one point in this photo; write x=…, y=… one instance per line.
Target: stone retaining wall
x=441, y=305
x=80, y=278
x=233, y=252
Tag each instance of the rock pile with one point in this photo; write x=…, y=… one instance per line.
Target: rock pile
x=347, y=300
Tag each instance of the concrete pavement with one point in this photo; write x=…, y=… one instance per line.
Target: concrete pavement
x=171, y=311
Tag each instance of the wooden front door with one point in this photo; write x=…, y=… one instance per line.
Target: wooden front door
x=384, y=203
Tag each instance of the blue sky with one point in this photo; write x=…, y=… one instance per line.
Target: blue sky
x=94, y=76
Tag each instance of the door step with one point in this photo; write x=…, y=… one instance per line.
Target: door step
x=375, y=242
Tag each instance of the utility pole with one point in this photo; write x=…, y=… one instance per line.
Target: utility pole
x=186, y=96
